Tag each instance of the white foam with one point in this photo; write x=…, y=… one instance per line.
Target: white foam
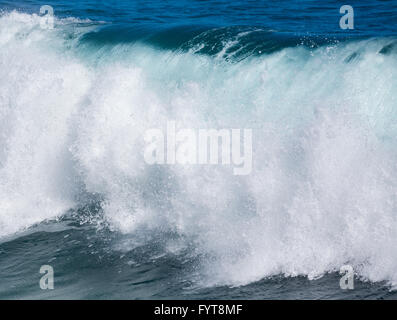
x=323, y=188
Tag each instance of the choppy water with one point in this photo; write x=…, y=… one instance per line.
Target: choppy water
x=76, y=194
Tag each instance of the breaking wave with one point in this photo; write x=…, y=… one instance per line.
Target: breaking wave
x=323, y=189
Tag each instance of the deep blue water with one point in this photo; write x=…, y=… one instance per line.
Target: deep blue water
x=304, y=17
x=74, y=193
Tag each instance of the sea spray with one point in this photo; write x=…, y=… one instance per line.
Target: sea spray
x=322, y=191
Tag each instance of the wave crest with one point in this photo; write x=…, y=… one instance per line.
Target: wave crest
x=323, y=188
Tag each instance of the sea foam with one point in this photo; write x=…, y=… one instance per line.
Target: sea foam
x=323, y=187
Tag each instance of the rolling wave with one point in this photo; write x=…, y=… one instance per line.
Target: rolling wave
x=323, y=190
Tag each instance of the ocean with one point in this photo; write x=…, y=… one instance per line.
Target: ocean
x=79, y=91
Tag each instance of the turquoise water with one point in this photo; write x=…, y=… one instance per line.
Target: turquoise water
x=76, y=193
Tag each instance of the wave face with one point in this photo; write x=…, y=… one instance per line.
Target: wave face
x=323, y=189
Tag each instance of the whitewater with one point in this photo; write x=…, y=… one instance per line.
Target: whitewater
x=323, y=188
